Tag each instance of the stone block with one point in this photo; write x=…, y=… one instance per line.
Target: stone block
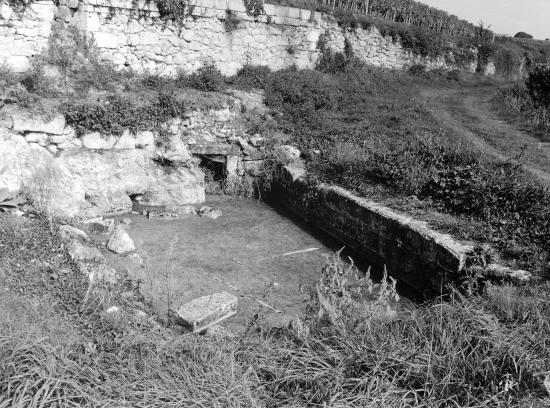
x=23, y=123
x=209, y=310
x=35, y=137
x=108, y=40
x=18, y=63
x=69, y=233
x=145, y=138
x=79, y=251
x=222, y=149
x=94, y=141
x=236, y=5
x=120, y=242
x=59, y=139
x=126, y=141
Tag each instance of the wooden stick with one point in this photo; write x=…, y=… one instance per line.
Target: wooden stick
x=301, y=251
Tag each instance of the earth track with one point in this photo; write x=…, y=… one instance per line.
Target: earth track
x=468, y=114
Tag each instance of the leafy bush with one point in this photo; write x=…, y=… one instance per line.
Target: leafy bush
x=538, y=85
x=300, y=93
x=117, y=113
x=417, y=70
x=522, y=34
x=252, y=76
x=231, y=21
x=254, y=8
x=208, y=78
x=175, y=9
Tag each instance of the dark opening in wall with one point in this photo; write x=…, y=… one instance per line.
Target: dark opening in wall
x=214, y=173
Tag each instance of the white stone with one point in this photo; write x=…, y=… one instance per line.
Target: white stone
x=72, y=3
x=25, y=123
x=126, y=141
x=112, y=309
x=52, y=149
x=289, y=153
x=86, y=21
x=118, y=59
x=5, y=11
x=94, y=141
x=145, y=138
x=59, y=139
x=35, y=137
x=188, y=35
x=107, y=40
x=208, y=310
x=120, y=242
x=69, y=233
x=79, y=251
x=18, y=63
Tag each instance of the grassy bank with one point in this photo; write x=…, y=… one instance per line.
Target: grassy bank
x=60, y=348
x=364, y=128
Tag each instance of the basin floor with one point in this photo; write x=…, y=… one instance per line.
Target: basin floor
x=251, y=251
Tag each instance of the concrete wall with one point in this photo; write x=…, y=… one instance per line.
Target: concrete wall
x=132, y=34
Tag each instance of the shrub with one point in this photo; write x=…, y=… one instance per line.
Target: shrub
x=538, y=85
x=117, y=113
x=175, y=9
x=231, y=21
x=522, y=34
x=417, y=70
x=208, y=78
x=254, y=8
x=252, y=76
x=299, y=93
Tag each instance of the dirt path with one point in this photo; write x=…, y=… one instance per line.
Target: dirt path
x=468, y=114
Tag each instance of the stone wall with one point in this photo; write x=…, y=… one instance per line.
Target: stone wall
x=24, y=36
x=132, y=34
x=415, y=254
x=96, y=174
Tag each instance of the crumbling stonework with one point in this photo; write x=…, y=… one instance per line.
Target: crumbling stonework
x=94, y=174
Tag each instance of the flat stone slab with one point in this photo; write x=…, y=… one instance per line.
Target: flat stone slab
x=208, y=310
x=222, y=149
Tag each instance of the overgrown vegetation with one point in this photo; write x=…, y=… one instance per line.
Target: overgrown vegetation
x=372, y=137
x=71, y=78
x=530, y=101
x=59, y=346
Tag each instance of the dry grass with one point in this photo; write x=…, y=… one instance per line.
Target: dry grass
x=481, y=351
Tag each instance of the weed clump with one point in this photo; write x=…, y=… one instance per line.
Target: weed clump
x=251, y=76
x=208, y=78
x=116, y=113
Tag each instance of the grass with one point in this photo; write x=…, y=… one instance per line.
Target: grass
x=59, y=348
x=377, y=139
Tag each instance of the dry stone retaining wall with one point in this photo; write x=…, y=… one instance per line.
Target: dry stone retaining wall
x=413, y=253
x=132, y=34
x=22, y=37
